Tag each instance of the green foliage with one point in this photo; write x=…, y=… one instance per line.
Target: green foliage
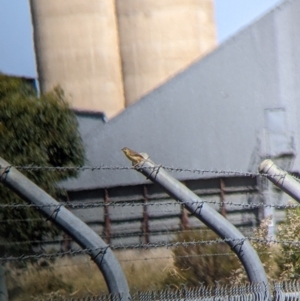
x=265, y=250
x=288, y=260
x=282, y=260
x=191, y=269
x=34, y=131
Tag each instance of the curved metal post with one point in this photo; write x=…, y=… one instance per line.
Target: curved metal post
x=211, y=218
x=76, y=228
x=280, y=178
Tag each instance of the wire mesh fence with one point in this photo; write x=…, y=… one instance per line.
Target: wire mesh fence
x=120, y=214
x=281, y=291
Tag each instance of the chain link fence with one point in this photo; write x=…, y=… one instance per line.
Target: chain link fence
x=280, y=291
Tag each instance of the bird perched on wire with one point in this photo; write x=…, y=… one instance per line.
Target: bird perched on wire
x=133, y=156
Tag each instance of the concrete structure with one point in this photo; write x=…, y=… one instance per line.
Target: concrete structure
x=151, y=214
x=160, y=38
x=78, y=45
x=226, y=112
x=213, y=114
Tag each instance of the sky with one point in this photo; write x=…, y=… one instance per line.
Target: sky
x=16, y=42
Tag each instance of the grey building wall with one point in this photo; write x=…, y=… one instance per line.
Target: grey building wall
x=210, y=115
x=146, y=214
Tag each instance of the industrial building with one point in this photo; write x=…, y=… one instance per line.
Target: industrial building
x=226, y=112
x=107, y=54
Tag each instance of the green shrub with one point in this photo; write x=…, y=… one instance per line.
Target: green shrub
x=288, y=259
x=266, y=251
x=201, y=263
x=37, y=131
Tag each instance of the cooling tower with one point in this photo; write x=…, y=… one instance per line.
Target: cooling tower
x=102, y=50
x=158, y=38
x=77, y=47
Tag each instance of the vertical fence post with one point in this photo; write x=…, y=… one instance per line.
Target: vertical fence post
x=107, y=225
x=184, y=216
x=222, y=197
x=145, y=216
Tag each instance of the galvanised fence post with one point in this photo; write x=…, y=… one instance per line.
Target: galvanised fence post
x=100, y=252
x=209, y=216
x=280, y=178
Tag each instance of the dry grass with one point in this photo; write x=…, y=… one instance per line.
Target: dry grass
x=144, y=274
x=79, y=276
x=154, y=269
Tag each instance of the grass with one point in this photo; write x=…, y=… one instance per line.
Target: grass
x=155, y=269
x=79, y=276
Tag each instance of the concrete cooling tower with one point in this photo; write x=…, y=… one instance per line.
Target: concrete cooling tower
x=77, y=47
x=107, y=54
x=158, y=38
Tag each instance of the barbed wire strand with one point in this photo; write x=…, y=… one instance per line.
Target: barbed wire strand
x=119, y=168
x=173, y=256
x=148, y=246
x=85, y=205
x=120, y=235
x=115, y=218
x=88, y=262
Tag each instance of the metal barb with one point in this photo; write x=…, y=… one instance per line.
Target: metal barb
x=151, y=203
x=238, y=241
x=4, y=173
x=168, y=168
x=54, y=213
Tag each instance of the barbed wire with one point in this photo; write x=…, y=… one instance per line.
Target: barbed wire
x=129, y=260
x=120, y=168
x=184, y=256
x=120, y=235
x=116, y=217
x=173, y=256
x=86, y=205
x=88, y=262
x=102, y=250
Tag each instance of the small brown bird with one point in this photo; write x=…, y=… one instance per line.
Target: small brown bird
x=133, y=156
